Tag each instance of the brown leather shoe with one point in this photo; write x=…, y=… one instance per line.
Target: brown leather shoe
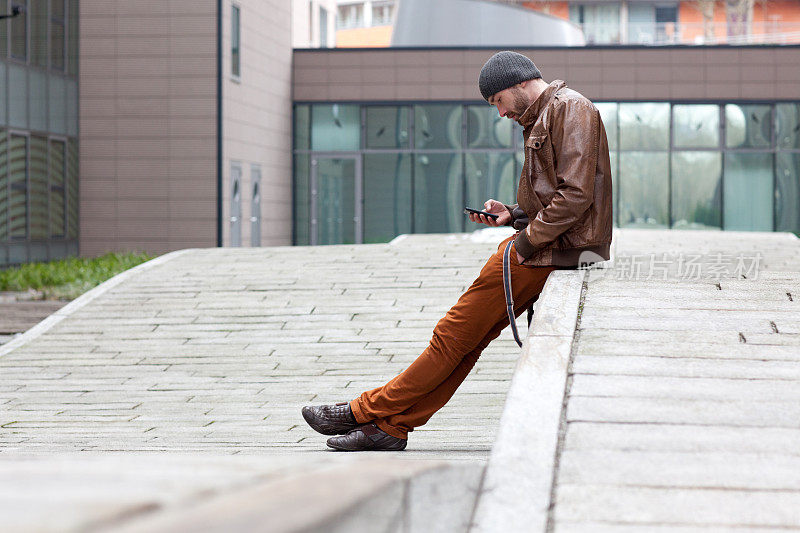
x=367, y=437
x=330, y=419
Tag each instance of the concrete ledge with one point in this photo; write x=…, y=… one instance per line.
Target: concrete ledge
x=390, y=495
x=45, y=325
x=516, y=492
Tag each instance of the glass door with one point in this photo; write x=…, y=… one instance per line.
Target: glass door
x=336, y=200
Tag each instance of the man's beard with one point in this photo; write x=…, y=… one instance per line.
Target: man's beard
x=520, y=102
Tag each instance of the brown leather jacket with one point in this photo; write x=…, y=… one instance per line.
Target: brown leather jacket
x=565, y=208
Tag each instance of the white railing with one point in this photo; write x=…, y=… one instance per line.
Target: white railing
x=666, y=33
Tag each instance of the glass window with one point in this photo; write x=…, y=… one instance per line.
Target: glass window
x=382, y=13
x=489, y=175
x=72, y=38
x=335, y=127
x=38, y=99
x=600, y=23
x=19, y=31
x=644, y=189
x=323, y=27
x=387, y=196
x=38, y=15
x=58, y=105
x=17, y=96
x=350, y=16
x=787, y=117
x=787, y=192
x=3, y=189
x=644, y=126
x=748, y=194
x=697, y=190
x=38, y=188
x=72, y=189
x=4, y=30
x=335, y=202
x=437, y=126
x=387, y=127
x=487, y=129
x=302, y=127
x=614, y=159
x=608, y=115
x=3, y=90
x=695, y=126
x=747, y=126
x=18, y=183
x=438, y=193
x=57, y=34
x=302, y=199
x=235, y=67
x=72, y=107
x=58, y=221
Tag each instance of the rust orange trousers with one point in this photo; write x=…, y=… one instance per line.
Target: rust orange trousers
x=411, y=398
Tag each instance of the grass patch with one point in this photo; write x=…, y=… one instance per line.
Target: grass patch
x=67, y=279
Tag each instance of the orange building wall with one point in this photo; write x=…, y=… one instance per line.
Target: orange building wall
x=557, y=9
x=785, y=12
x=374, y=37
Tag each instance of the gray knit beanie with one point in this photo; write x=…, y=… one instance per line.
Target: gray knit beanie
x=503, y=70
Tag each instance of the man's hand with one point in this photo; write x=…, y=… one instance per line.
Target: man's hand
x=494, y=207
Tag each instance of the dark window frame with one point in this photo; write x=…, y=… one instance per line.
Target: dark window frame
x=236, y=41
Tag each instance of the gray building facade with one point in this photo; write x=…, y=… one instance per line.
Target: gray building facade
x=399, y=140
x=39, y=185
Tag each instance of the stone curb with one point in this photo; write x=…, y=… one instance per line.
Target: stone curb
x=45, y=325
x=516, y=491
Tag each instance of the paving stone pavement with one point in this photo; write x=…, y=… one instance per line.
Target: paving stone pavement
x=682, y=407
x=216, y=350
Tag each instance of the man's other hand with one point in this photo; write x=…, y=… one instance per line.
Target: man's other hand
x=494, y=207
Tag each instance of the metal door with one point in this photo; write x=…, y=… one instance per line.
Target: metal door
x=255, y=206
x=236, y=205
x=336, y=200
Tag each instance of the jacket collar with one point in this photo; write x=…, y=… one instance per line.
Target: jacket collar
x=530, y=115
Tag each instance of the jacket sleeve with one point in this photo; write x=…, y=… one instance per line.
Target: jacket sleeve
x=575, y=134
x=510, y=208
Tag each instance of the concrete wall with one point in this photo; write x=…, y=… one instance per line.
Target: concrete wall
x=147, y=125
x=621, y=73
x=257, y=117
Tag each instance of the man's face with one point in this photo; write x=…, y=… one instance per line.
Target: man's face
x=511, y=102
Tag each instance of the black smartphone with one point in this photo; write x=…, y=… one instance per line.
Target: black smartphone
x=468, y=210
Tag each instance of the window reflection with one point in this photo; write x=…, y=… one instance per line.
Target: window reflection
x=302, y=199
x=387, y=194
x=425, y=191
x=387, y=127
x=748, y=191
x=787, y=124
x=438, y=193
x=335, y=127
x=487, y=129
x=696, y=190
x=644, y=189
x=787, y=192
x=644, y=126
x=695, y=126
x=747, y=126
x=489, y=175
x=608, y=114
x=437, y=126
